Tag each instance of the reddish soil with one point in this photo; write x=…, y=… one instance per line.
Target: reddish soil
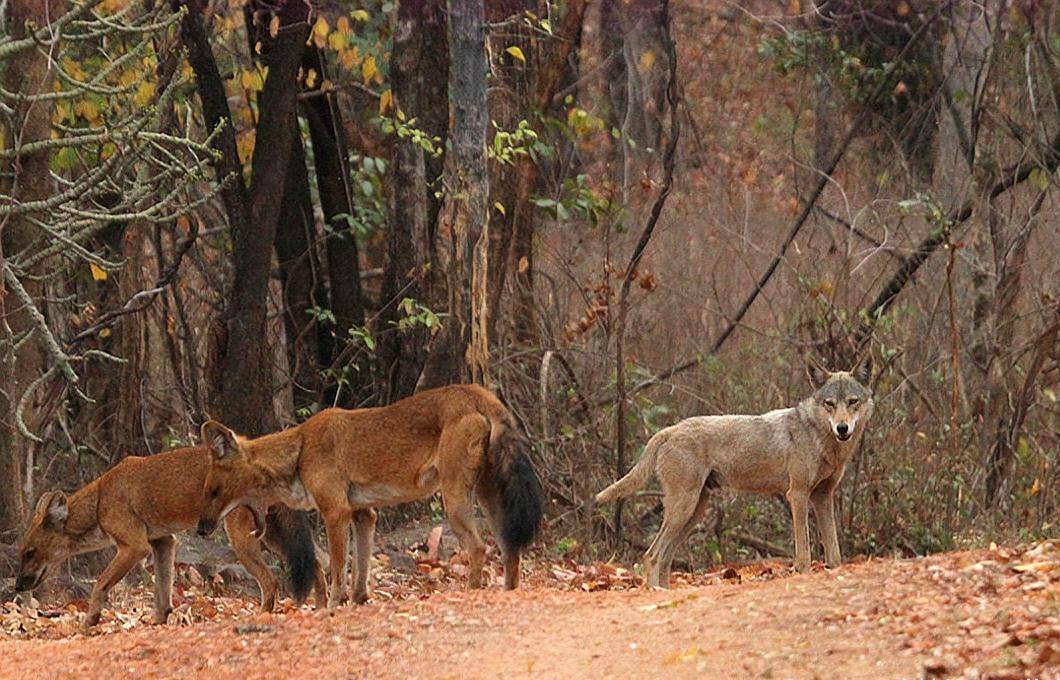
x=987, y=613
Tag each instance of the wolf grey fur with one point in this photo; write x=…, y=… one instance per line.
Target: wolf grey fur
x=800, y=452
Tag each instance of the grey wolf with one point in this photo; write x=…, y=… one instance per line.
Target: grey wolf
x=800, y=452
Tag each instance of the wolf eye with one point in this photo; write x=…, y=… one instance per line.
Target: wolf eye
x=853, y=402
x=829, y=404
x=28, y=555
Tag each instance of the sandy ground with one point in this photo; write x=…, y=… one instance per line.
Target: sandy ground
x=977, y=614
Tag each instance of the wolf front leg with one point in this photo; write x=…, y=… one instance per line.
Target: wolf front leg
x=823, y=500
x=798, y=499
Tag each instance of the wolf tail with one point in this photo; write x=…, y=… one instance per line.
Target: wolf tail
x=636, y=478
x=291, y=532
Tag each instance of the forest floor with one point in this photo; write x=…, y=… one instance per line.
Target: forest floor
x=992, y=613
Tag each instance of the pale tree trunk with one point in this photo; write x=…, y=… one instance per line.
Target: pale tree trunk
x=461, y=352
x=508, y=100
x=645, y=57
x=964, y=69
x=547, y=78
x=28, y=72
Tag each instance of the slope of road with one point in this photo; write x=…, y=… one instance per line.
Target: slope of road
x=975, y=614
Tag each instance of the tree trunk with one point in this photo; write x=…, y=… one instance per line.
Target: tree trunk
x=241, y=379
x=548, y=78
x=127, y=433
x=644, y=53
x=28, y=72
x=333, y=178
x=300, y=275
x=460, y=351
x=509, y=95
x=402, y=352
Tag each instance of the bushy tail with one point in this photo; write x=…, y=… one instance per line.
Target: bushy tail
x=521, y=502
x=291, y=532
x=509, y=486
x=636, y=478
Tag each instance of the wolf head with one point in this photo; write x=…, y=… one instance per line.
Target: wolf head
x=842, y=397
x=232, y=480
x=47, y=541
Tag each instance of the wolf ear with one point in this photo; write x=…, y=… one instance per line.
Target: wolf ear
x=220, y=440
x=862, y=370
x=54, y=507
x=817, y=374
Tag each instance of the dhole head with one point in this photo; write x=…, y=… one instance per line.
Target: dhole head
x=231, y=480
x=46, y=541
x=842, y=397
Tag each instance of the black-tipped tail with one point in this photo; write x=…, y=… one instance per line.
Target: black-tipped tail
x=291, y=532
x=521, y=502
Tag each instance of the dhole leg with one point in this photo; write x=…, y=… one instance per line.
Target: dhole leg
x=364, y=528
x=337, y=526
x=164, y=554
x=798, y=500
x=510, y=558
x=824, y=511
x=320, y=586
x=460, y=451
x=511, y=570
x=239, y=525
x=128, y=557
x=461, y=515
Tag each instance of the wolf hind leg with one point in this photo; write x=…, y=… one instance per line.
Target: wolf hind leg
x=690, y=526
x=682, y=479
x=676, y=515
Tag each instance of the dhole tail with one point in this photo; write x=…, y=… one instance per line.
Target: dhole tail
x=291, y=532
x=516, y=486
x=636, y=478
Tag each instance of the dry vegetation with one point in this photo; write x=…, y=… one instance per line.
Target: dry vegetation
x=251, y=211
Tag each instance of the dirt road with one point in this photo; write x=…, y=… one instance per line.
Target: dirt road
x=976, y=614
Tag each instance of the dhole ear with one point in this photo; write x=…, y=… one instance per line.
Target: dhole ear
x=53, y=505
x=817, y=374
x=219, y=439
x=862, y=371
